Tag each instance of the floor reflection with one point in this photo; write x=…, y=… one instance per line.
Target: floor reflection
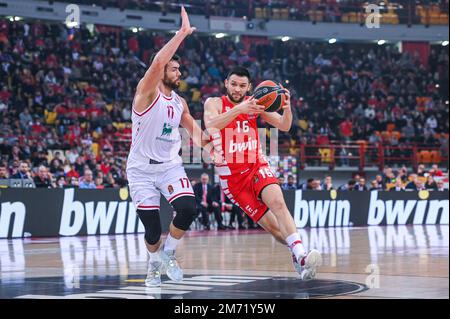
x=80, y=260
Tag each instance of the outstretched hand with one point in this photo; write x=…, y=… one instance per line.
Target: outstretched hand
x=185, y=24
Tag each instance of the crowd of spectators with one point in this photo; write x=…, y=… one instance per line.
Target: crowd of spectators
x=65, y=95
x=390, y=179
x=330, y=10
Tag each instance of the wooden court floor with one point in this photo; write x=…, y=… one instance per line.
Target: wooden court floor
x=369, y=262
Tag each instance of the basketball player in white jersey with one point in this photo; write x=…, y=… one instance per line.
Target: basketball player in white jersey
x=154, y=165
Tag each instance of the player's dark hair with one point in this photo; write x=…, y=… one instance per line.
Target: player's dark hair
x=239, y=71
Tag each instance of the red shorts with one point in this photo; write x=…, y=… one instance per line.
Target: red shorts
x=245, y=189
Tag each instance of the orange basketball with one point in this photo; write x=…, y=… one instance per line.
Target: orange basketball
x=271, y=95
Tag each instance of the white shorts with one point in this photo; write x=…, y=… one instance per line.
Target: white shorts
x=148, y=181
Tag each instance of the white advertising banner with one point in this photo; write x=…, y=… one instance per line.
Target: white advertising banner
x=227, y=24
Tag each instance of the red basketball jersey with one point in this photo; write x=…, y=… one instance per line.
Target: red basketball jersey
x=237, y=146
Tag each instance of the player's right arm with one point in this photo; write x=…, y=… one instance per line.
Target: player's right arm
x=147, y=88
x=215, y=120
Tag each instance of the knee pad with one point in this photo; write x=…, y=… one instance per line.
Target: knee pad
x=152, y=224
x=186, y=212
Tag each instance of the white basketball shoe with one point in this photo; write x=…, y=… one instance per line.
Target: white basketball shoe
x=307, y=266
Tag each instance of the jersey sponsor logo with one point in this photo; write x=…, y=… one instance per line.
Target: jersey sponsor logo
x=167, y=129
x=242, y=147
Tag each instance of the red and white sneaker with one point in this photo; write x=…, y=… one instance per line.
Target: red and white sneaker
x=307, y=267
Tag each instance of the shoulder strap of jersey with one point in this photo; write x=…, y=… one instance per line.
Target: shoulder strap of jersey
x=177, y=97
x=148, y=107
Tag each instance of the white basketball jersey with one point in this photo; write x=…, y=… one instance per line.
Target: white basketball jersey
x=155, y=133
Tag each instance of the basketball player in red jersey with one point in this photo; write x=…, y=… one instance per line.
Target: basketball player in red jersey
x=245, y=175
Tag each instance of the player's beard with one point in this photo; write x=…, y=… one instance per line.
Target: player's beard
x=173, y=85
x=233, y=100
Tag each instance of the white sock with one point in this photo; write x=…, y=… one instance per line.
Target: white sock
x=171, y=243
x=154, y=256
x=295, y=245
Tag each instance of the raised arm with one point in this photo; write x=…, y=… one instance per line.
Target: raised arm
x=147, y=88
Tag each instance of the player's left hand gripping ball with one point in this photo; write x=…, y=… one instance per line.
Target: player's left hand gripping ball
x=287, y=99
